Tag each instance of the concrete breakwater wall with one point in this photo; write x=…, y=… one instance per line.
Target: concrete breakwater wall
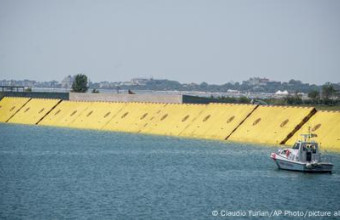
x=109, y=97
x=270, y=125
x=151, y=98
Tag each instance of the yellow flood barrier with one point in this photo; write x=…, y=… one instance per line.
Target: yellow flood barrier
x=65, y=113
x=34, y=111
x=9, y=106
x=218, y=121
x=133, y=116
x=326, y=125
x=271, y=124
x=97, y=115
x=173, y=119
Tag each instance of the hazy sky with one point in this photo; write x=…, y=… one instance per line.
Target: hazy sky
x=215, y=41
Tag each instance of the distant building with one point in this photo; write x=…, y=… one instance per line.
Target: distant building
x=67, y=82
x=256, y=81
x=233, y=91
x=104, y=85
x=139, y=81
x=28, y=83
x=282, y=93
x=126, y=83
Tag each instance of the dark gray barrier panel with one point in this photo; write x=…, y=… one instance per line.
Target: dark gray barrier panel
x=45, y=95
x=198, y=99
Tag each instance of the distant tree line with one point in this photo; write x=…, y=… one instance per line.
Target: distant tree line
x=327, y=95
x=291, y=86
x=270, y=87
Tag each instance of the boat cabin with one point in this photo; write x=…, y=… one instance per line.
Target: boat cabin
x=307, y=151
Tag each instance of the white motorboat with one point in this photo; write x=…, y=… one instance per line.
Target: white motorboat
x=303, y=156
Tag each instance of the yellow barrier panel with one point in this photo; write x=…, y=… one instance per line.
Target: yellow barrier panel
x=9, y=106
x=65, y=113
x=243, y=123
x=133, y=116
x=34, y=111
x=172, y=119
x=326, y=125
x=55, y=117
x=218, y=121
x=271, y=124
x=97, y=115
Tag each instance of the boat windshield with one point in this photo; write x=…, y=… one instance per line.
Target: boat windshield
x=296, y=146
x=312, y=147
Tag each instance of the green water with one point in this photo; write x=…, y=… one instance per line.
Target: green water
x=57, y=173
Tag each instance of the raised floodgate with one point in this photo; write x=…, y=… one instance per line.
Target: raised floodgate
x=218, y=121
x=65, y=113
x=134, y=116
x=173, y=119
x=97, y=115
x=271, y=124
x=33, y=111
x=326, y=125
x=89, y=115
x=9, y=106
x=235, y=122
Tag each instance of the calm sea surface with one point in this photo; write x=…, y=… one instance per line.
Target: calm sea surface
x=58, y=173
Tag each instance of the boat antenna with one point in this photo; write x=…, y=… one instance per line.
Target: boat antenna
x=309, y=135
